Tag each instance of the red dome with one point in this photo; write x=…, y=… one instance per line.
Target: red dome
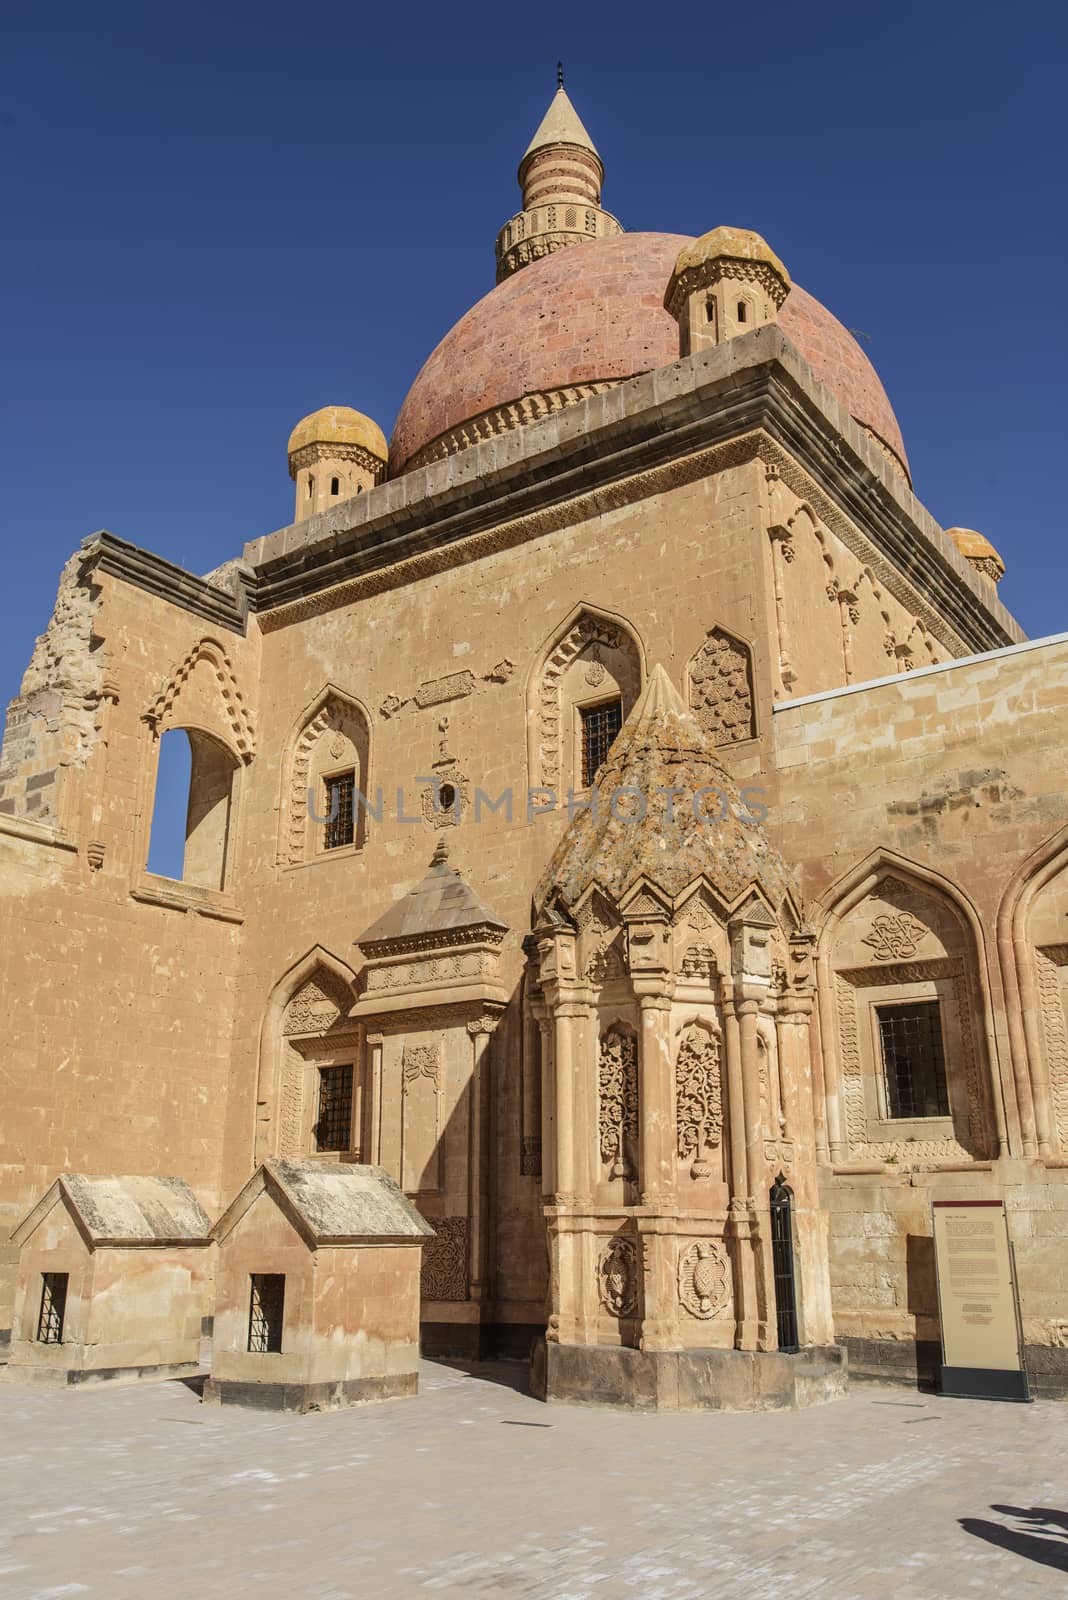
x=592, y=313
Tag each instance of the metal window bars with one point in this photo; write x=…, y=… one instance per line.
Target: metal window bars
x=340, y=814
x=53, y=1307
x=600, y=724
x=266, y=1308
x=334, y=1125
x=914, y=1064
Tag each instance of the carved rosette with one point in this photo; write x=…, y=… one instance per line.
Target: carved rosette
x=704, y=1279
x=444, y=1274
x=698, y=1098
x=617, y=1277
x=618, y=1100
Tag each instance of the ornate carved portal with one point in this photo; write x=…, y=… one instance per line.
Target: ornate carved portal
x=698, y=1098
x=618, y=1101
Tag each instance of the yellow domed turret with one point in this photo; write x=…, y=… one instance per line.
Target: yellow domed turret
x=727, y=282
x=979, y=553
x=334, y=454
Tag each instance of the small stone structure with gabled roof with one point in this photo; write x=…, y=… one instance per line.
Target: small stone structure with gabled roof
x=317, y=1289
x=112, y=1281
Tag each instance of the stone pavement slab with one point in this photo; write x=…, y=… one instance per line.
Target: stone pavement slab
x=475, y=1489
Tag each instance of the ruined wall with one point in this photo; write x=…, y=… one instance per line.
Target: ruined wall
x=117, y=987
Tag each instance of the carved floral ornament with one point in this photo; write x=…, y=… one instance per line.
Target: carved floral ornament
x=698, y=1098
x=420, y=1061
x=617, y=1277
x=618, y=1099
x=444, y=1270
x=704, y=1279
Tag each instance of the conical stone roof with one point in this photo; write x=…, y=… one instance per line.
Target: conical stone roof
x=442, y=905
x=561, y=124
x=637, y=831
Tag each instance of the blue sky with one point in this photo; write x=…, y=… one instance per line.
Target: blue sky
x=221, y=217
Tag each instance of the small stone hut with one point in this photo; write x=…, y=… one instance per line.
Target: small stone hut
x=112, y=1281
x=317, y=1289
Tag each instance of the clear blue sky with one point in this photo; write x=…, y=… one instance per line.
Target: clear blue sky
x=221, y=217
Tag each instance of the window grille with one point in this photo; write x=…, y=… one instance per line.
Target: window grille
x=334, y=1127
x=914, y=1063
x=600, y=724
x=782, y=1259
x=265, y=1312
x=53, y=1307
x=340, y=793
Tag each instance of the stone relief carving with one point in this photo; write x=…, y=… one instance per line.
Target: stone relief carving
x=977, y=1140
x=236, y=712
x=618, y=1100
x=1048, y=965
x=444, y=1273
x=721, y=688
x=617, y=1277
x=704, y=1279
x=586, y=631
x=606, y=963
x=530, y=1156
x=330, y=717
x=316, y=1006
x=699, y=961
x=437, y=691
x=895, y=936
x=698, y=1098
x=420, y=1061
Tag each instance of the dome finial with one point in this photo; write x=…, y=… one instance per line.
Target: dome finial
x=559, y=74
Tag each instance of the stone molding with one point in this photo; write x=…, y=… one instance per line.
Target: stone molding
x=670, y=427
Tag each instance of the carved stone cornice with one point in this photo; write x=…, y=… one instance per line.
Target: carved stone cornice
x=663, y=435
x=309, y=454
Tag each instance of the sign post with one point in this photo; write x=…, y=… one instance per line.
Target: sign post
x=978, y=1302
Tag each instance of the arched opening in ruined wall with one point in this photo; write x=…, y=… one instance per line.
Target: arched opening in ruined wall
x=193, y=808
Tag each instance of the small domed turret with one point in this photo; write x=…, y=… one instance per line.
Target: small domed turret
x=725, y=283
x=979, y=553
x=334, y=454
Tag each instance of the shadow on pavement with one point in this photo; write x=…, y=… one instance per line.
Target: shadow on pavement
x=1045, y=1541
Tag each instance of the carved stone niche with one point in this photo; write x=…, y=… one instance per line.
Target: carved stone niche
x=617, y=1085
x=699, y=1097
x=618, y=1277
x=721, y=688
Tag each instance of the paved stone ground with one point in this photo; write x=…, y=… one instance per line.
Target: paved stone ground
x=474, y=1489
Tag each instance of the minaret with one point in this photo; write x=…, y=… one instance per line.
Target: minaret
x=560, y=177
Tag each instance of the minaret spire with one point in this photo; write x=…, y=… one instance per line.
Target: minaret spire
x=560, y=176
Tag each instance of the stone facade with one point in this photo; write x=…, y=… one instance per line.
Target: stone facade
x=736, y=523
